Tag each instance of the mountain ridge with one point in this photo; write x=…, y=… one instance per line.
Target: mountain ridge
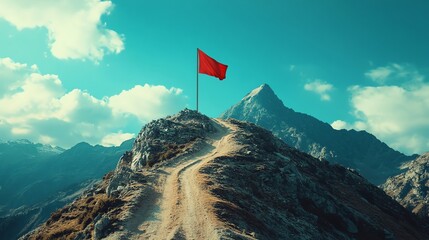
x=355, y=149
x=37, y=179
x=191, y=177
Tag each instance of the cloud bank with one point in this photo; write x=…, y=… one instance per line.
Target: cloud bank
x=36, y=106
x=396, y=112
x=75, y=29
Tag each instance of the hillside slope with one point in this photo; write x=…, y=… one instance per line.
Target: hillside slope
x=191, y=177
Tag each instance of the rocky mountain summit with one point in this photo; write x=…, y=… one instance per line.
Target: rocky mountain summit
x=411, y=188
x=192, y=177
x=354, y=149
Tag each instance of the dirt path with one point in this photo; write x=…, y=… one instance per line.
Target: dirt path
x=181, y=209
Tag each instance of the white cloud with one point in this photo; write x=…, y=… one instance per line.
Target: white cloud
x=75, y=30
x=10, y=64
x=149, y=98
x=11, y=74
x=115, y=139
x=80, y=106
x=397, y=114
x=380, y=74
x=340, y=124
x=395, y=74
x=321, y=88
x=37, y=107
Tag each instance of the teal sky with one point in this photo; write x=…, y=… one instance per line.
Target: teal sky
x=323, y=58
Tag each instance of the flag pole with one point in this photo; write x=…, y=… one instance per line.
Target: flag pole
x=197, y=76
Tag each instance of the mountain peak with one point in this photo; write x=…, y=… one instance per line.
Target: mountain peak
x=259, y=101
x=167, y=134
x=260, y=90
x=264, y=93
x=186, y=115
x=306, y=133
x=21, y=141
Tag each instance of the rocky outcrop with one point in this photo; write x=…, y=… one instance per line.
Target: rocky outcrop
x=354, y=149
x=411, y=188
x=229, y=180
x=158, y=141
x=168, y=137
x=100, y=226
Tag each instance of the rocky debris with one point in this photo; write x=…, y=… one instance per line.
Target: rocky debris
x=354, y=149
x=119, y=181
x=411, y=188
x=100, y=226
x=259, y=188
x=122, y=176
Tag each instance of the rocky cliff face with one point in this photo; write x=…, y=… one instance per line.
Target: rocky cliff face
x=411, y=188
x=355, y=149
x=191, y=177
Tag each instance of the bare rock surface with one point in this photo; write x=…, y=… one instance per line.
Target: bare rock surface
x=411, y=188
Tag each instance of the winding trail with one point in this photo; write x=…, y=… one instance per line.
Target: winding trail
x=180, y=207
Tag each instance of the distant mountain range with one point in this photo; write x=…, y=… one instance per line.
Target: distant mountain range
x=359, y=150
x=37, y=179
x=19, y=162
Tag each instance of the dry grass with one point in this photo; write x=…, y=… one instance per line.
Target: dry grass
x=169, y=151
x=67, y=222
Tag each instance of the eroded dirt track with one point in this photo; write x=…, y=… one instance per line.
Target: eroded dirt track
x=180, y=207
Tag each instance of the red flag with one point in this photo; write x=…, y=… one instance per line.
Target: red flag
x=210, y=66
